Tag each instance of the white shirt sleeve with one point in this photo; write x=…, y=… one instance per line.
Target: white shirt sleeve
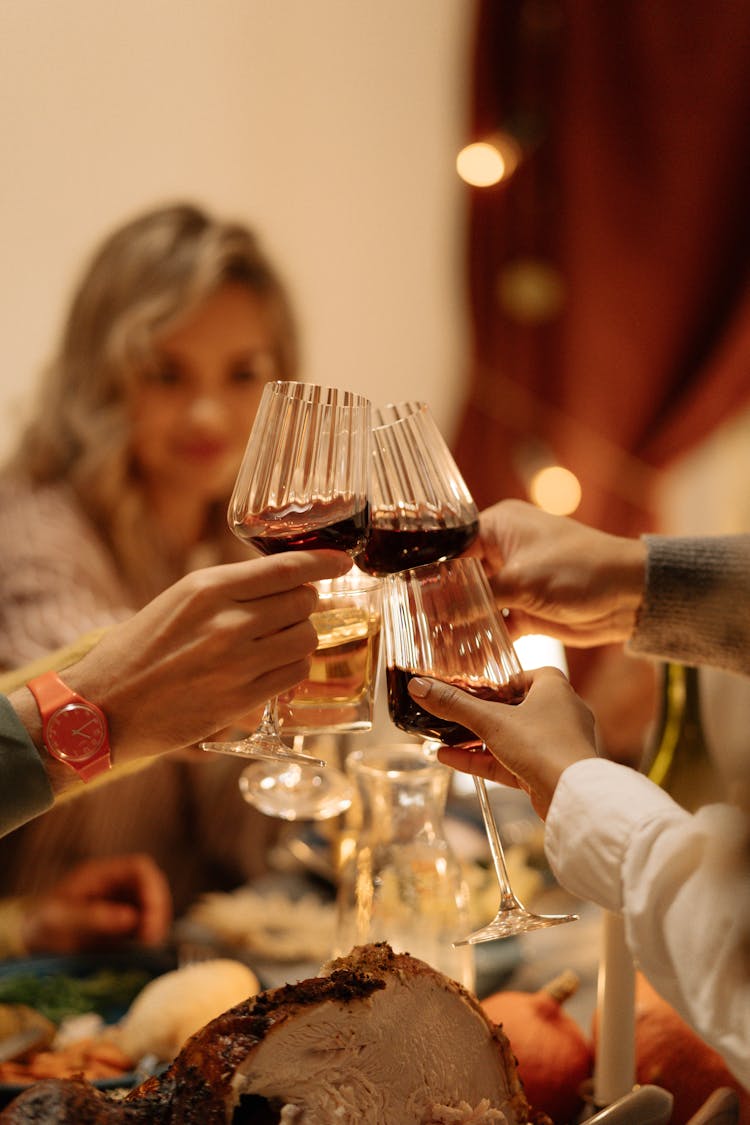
x=681, y=882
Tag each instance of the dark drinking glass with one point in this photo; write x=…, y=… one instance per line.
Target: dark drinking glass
x=407, y=714
x=441, y=621
x=421, y=509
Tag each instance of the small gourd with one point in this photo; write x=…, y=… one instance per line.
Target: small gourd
x=554, y=1055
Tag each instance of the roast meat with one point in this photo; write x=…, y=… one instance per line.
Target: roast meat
x=377, y=1039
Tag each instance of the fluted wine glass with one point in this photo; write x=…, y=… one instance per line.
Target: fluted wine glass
x=421, y=510
x=336, y=698
x=440, y=620
x=302, y=485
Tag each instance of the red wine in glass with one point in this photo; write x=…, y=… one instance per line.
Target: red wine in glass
x=320, y=526
x=407, y=714
x=389, y=549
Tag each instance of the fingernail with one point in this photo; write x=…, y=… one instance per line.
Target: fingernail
x=419, y=687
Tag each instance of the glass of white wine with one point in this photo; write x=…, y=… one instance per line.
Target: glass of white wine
x=336, y=698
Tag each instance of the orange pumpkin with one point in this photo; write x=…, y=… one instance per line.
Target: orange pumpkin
x=670, y=1054
x=554, y=1055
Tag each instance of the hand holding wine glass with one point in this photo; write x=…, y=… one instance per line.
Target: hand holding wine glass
x=302, y=485
x=529, y=746
x=440, y=621
x=337, y=697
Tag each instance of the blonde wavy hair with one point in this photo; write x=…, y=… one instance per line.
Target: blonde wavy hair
x=147, y=275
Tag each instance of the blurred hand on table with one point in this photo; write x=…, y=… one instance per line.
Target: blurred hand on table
x=99, y=904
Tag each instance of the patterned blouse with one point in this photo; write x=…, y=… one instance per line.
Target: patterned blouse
x=57, y=581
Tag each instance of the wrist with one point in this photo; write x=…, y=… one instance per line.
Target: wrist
x=60, y=776
x=627, y=576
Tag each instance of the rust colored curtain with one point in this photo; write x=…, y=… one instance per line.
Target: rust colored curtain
x=609, y=277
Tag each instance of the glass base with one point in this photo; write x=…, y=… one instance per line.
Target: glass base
x=513, y=921
x=259, y=745
x=296, y=792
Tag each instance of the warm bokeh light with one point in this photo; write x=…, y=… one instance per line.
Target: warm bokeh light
x=530, y=291
x=488, y=162
x=480, y=164
x=537, y=650
x=556, y=490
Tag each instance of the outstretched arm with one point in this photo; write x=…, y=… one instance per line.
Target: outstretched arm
x=195, y=659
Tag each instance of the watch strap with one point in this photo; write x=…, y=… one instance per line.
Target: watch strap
x=52, y=694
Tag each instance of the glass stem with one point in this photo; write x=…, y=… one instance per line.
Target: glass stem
x=508, y=899
x=269, y=723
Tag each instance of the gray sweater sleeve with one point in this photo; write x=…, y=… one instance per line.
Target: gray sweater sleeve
x=25, y=791
x=696, y=604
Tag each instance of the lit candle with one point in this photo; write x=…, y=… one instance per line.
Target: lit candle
x=614, y=1067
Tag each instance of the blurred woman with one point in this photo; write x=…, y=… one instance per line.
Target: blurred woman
x=118, y=486
x=120, y=482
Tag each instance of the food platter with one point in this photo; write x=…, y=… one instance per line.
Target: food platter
x=109, y=980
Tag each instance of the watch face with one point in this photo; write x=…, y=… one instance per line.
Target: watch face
x=76, y=733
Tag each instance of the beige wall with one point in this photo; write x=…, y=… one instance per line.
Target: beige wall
x=331, y=125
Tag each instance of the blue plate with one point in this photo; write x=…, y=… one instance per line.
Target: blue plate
x=152, y=962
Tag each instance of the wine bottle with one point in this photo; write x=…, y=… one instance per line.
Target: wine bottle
x=680, y=761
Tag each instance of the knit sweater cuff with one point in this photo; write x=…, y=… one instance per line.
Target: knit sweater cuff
x=696, y=606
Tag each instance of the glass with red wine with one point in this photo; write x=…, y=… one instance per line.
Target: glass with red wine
x=421, y=510
x=303, y=485
x=440, y=620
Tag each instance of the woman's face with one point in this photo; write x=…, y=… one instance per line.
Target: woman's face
x=193, y=409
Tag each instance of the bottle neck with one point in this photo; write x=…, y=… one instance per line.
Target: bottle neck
x=681, y=762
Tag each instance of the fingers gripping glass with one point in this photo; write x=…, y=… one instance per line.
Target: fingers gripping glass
x=336, y=698
x=302, y=485
x=440, y=620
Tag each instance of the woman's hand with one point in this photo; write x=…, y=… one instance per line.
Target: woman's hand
x=206, y=651
x=560, y=577
x=98, y=904
x=528, y=744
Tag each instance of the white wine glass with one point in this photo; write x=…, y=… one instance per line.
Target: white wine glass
x=302, y=485
x=336, y=698
x=293, y=791
x=440, y=620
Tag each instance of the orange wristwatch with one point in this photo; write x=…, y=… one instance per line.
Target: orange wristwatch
x=74, y=729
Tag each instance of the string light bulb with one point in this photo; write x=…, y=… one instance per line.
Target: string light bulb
x=549, y=485
x=484, y=163
x=555, y=489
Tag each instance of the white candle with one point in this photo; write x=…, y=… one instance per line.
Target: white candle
x=614, y=1067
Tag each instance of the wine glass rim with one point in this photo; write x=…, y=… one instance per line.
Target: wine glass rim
x=296, y=389
x=354, y=582
x=462, y=562
x=415, y=407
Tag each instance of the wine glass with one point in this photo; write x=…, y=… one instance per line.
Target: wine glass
x=421, y=510
x=440, y=620
x=302, y=485
x=292, y=791
x=336, y=698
